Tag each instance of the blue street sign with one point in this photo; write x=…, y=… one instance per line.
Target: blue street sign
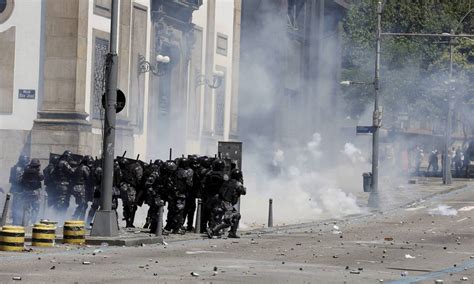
x=364, y=129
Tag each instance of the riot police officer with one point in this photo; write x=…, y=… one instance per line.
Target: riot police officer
x=193, y=192
x=31, y=182
x=229, y=195
x=64, y=173
x=50, y=180
x=177, y=197
x=212, y=183
x=16, y=188
x=132, y=174
x=81, y=179
x=151, y=194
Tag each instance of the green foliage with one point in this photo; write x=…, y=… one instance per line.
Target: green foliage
x=413, y=69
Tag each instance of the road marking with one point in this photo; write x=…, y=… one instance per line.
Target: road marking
x=202, y=252
x=466, y=208
x=435, y=274
x=415, y=208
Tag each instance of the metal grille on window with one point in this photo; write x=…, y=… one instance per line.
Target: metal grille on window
x=100, y=53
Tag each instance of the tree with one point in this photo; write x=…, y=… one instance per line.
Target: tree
x=413, y=69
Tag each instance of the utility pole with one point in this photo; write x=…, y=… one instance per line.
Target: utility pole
x=105, y=221
x=377, y=116
x=447, y=177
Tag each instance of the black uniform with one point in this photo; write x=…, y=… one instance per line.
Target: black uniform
x=64, y=173
x=193, y=193
x=229, y=195
x=132, y=174
x=31, y=182
x=212, y=183
x=177, y=199
x=81, y=178
x=16, y=189
x=155, y=197
x=50, y=181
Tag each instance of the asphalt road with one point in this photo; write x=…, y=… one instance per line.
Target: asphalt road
x=405, y=245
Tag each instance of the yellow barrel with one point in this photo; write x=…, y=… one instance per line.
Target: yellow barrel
x=48, y=222
x=74, y=233
x=44, y=235
x=12, y=238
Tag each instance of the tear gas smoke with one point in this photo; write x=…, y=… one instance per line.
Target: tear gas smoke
x=302, y=190
x=443, y=210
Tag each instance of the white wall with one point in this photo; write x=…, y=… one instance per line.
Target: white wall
x=26, y=17
x=224, y=24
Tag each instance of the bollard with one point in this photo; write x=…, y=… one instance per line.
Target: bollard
x=5, y=210
x=159, y=225
x=44, y=235
x=44, y=205
x=270, y=213
x=12, y=238
x=24, y=219
x=197, y=228
x=74, y=232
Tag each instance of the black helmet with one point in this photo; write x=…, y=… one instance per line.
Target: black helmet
x=67, y=155
x=88, y=160
x=158, y=162
x=236, y=174
x=170, y=167
x=206, y=162
x=35, y=163
x=218, y=165
x=194, y=162
x=23, y=159
x=183, y=163
x=54, y=160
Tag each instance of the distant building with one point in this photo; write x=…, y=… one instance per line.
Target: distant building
x=52, y=76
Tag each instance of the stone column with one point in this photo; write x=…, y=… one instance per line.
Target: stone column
x=207, y=128
x=235, y=71
x=61, y=122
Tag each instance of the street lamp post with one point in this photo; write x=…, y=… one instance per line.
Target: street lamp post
x=377, y=115
x=105, y=221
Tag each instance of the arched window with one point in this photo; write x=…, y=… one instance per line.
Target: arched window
x=6, y=8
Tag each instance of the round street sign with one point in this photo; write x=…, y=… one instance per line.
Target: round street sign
x=120, y=101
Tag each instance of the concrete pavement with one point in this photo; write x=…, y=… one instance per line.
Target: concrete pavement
x=415, y=241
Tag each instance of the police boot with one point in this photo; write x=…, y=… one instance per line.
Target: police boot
x=132, y=219
x=216, y=231
x=233, y=231
x=147, y=223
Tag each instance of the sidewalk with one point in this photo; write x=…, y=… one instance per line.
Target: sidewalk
x=393, y=195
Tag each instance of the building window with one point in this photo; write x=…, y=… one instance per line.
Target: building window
x=295, y=17
x=103, y=8
x=101, y=48
x=221, y=44
x=6, y=8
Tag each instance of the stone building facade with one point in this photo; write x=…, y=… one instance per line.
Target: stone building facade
x=52, y=76
x=291, y=67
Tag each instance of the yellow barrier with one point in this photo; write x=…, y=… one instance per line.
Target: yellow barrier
x=12, y=238
x=43, y=235
x=74, y=233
